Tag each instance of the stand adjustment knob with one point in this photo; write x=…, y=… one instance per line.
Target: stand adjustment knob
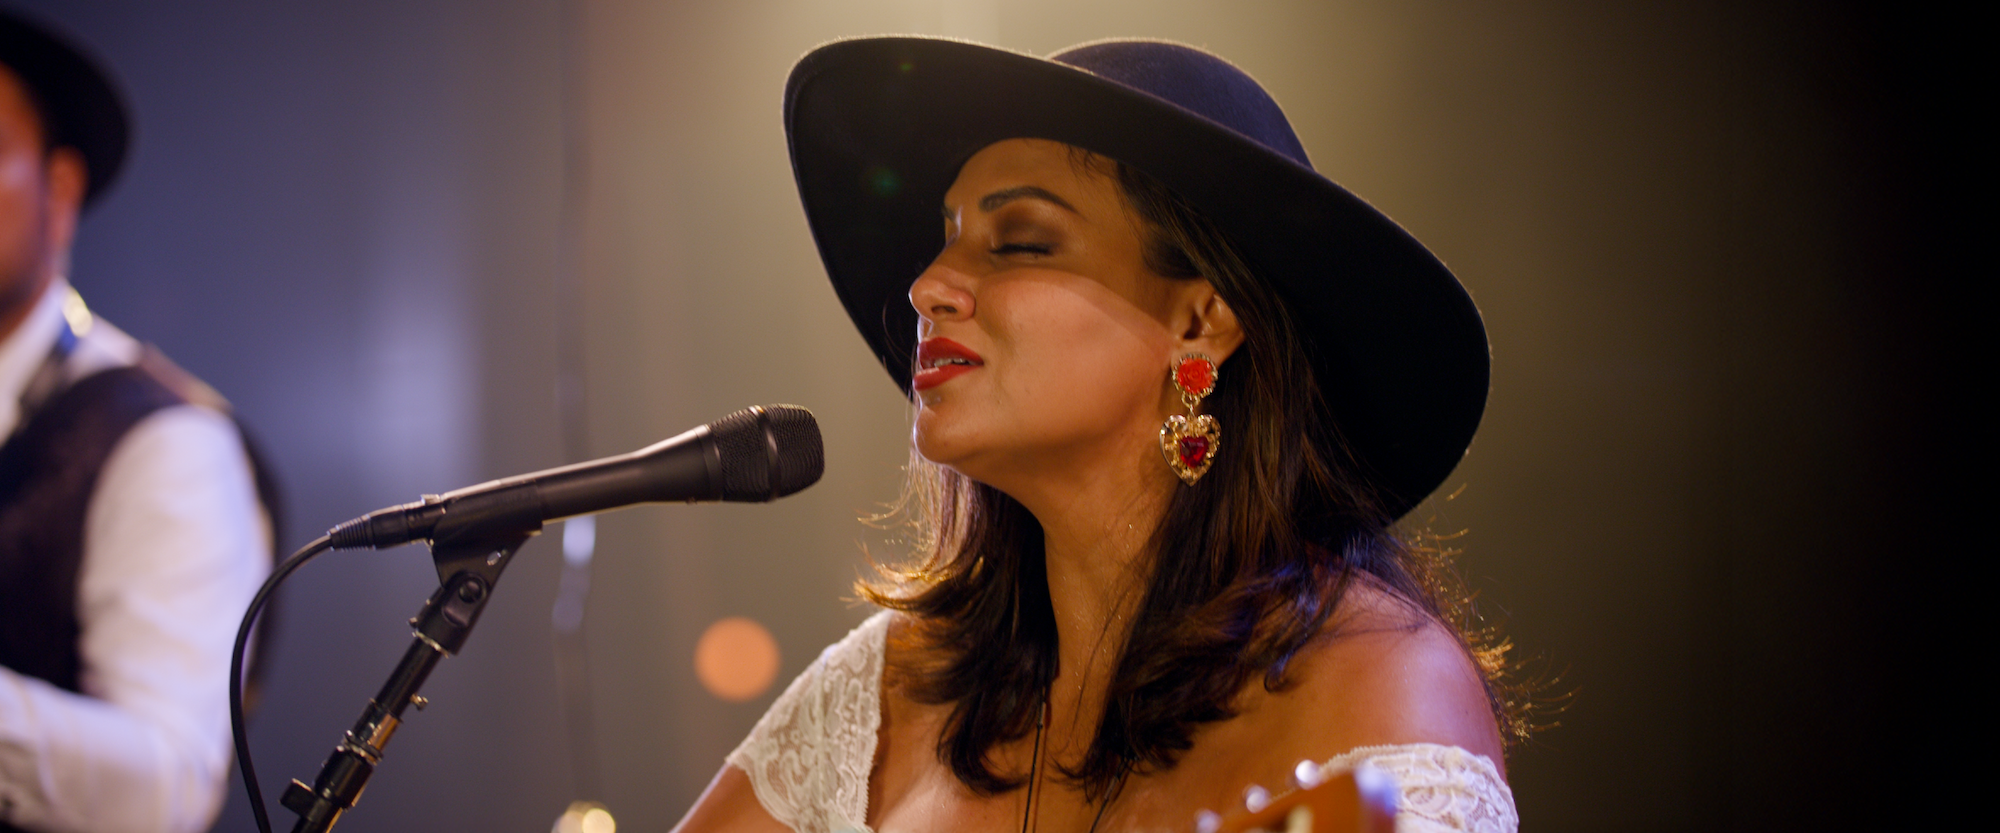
x=298, y=797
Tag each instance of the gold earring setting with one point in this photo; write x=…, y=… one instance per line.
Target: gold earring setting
x=1189, y=442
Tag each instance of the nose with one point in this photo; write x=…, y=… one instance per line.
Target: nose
x=942, y=293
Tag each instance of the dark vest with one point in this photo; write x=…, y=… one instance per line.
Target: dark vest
x=48, y=471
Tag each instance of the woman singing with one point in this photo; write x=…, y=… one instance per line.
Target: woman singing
x=1172, y=388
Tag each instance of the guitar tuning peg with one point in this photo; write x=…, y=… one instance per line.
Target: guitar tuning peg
x=1207, y=821
x=1306, y=774
x=1256, y=798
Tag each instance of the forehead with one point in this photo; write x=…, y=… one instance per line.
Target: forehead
x=17, y=108
x=1076, y=175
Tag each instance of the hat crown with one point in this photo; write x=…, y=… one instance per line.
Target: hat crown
x=880, y=127
x=79, y=103
x=1193, y=80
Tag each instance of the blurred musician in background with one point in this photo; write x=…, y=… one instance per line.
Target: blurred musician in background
x=133, y=529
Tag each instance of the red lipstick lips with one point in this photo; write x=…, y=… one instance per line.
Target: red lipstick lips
x=939, y=360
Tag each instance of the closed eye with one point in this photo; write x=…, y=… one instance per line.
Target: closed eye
x=1022, y=248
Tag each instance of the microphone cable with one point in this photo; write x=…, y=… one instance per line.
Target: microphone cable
x=237, y=727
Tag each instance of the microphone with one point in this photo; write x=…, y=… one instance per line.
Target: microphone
x=755, y=455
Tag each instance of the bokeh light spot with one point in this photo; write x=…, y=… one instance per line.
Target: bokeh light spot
x=586, y=817
x=736, y=659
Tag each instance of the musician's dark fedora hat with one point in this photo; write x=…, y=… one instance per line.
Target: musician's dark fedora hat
x=880, y=126
x=76, y=98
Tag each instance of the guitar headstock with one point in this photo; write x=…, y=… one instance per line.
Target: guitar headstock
x=1362, y=800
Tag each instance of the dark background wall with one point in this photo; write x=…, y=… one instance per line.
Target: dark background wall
x=1724, y=456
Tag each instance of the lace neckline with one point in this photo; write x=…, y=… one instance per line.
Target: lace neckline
x=810, y=757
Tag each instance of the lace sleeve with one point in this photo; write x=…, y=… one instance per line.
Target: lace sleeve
x=1444, y=788
x=809, y=756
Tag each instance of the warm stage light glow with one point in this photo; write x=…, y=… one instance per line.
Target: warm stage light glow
x=736, y=659
x=586, y=817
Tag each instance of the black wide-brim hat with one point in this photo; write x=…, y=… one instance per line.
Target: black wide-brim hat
x=76, y=98
x=879, y=128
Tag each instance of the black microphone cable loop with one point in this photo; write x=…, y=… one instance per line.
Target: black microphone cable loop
x=237, y=727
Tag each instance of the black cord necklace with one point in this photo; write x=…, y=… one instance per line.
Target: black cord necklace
x=1031, y=811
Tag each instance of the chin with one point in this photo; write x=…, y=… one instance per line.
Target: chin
x=935, y=448
x=954, y=446
x=930, y=436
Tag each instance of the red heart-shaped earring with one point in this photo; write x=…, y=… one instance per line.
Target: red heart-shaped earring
x=1189, y=442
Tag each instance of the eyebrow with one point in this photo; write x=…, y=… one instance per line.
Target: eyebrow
x=992, y=202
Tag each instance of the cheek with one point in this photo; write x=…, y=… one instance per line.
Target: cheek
x=1084, y=356
x=19, y=191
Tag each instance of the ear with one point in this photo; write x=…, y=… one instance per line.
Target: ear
x=65, y=179
x=1206, y=323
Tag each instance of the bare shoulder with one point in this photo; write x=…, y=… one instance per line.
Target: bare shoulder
x=901, y=629
x=729, y=805
x=899, y=713
x=902, y=650
x=906, y=740
x=1383, y=673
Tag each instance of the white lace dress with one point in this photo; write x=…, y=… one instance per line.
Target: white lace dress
x=809, y=756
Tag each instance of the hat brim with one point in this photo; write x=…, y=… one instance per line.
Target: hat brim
x=879, y=127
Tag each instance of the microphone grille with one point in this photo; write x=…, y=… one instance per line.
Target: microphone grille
x=768, y=452
x=801, y=456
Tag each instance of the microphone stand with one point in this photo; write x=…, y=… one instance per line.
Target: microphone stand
x=468, y=566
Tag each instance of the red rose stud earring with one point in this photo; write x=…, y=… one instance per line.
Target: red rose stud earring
x=1189, y=442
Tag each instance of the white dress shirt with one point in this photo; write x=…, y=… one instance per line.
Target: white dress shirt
x=175, y=544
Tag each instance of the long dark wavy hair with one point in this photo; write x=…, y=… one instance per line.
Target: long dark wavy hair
x=1247, y=564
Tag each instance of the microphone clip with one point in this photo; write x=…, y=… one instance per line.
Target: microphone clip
x=480, y=533
x=468, y=566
